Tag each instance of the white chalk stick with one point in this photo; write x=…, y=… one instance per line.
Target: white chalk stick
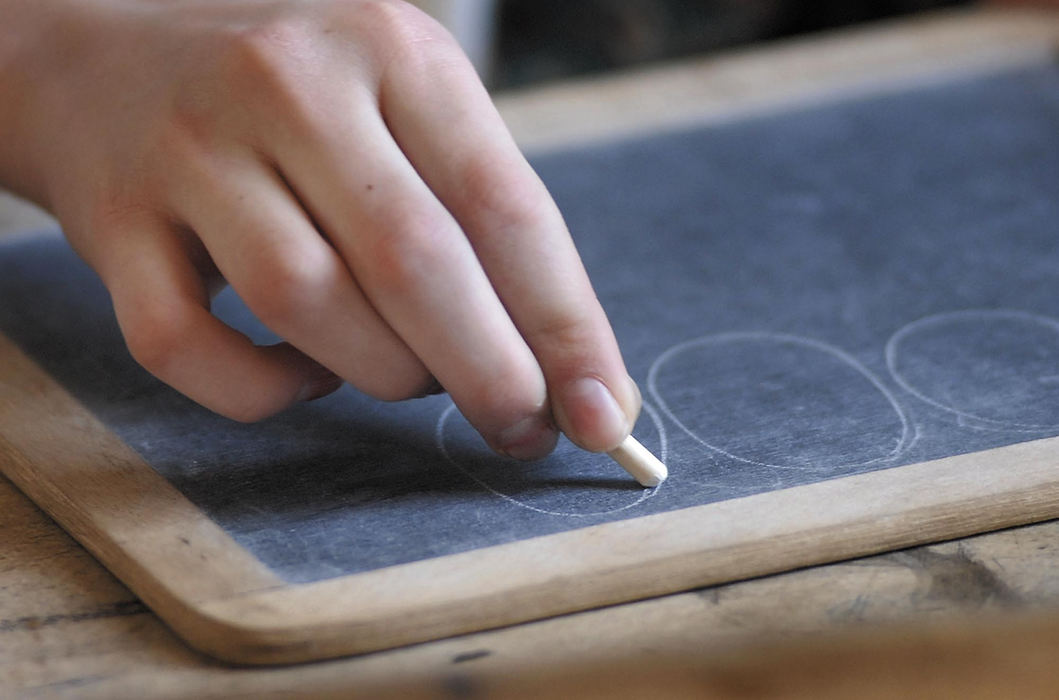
x=638, y=461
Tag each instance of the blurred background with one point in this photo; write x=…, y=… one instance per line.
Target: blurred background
x=519, y=42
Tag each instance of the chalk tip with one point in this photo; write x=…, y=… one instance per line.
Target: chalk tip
x=656, y=476
x=636, y=459
x=655, y=479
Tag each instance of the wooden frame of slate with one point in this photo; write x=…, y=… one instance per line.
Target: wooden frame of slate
x=224, y=601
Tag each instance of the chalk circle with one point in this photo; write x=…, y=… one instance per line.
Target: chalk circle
x=570, y=482
x=992, y=368
x=779, y=401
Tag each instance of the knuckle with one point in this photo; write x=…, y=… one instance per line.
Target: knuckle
x=154, y=338
x=281, y=284
x=267, y=63
x=406, y=253
x=414, y=40
x=263, y=48
x=502, y=200
x=397, y=21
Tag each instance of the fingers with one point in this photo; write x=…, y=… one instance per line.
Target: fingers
x=417, y=268
x=262, y=241
x=162, y=306
x=446, y=124
x=389, y=246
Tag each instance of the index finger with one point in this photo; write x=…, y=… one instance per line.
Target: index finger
x=448, y=127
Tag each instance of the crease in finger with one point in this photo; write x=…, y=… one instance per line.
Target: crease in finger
x=161, y=304
x=268, y=247
x=419, y=271
x=451, y=133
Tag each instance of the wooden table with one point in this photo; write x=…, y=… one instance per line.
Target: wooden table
x=975, y=616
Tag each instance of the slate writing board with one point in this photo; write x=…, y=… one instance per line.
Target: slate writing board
x=803, y=297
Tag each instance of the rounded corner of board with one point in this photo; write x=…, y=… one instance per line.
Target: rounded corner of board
x=227, y=631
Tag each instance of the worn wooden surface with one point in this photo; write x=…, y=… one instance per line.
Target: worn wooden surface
x=232, y=607
x=67, y=628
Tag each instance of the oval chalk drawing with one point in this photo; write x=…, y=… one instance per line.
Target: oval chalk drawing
x=992, y=368
x=570, y=482
x=780, y=401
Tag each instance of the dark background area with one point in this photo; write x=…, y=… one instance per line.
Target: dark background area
x=541, y=40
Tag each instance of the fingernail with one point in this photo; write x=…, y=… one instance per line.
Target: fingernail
x=530, y=438
x=635, y=390
x=595, y=414
x=325, y=383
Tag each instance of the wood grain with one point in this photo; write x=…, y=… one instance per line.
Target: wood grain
x=103, y=494
x=100, y=646
x=653, y=555
x=986, y=659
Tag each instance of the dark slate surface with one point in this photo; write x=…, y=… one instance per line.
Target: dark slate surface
x=805, y=296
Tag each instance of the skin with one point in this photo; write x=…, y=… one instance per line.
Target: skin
x=339, y=164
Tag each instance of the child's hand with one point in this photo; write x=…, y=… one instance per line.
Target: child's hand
x=340, y=165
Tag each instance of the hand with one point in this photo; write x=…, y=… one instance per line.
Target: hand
x=341, y=166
